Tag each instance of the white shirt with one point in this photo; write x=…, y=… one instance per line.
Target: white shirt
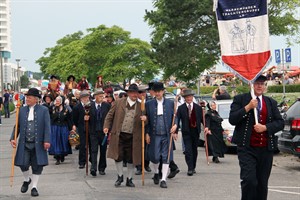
x=130, y=102
x=160, y=110
x=31, y=113
x=187, y=105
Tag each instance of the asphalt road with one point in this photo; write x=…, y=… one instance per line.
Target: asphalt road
x=211, y=182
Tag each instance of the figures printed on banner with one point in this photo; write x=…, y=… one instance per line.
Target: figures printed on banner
x=239, y=36
x=53, y=86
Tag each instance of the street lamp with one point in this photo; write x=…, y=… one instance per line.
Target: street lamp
x=18, y=74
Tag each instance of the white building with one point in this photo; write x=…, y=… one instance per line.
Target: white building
x=5, y=42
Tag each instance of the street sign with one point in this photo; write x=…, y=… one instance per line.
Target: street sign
x=277, y=56
x=288, y=55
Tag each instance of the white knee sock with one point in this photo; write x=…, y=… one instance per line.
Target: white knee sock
x=130, y=169
x=165, y=168
x=35, y=180
x=119, y=166
x=155, y=167
x=26, y=175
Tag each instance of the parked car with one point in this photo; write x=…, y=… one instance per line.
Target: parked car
x=223, y=108
x=289, y=137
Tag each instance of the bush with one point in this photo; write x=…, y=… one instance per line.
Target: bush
x=11, y=106
x=288, y=88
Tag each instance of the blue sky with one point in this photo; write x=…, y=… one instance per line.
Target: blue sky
x=38, y=24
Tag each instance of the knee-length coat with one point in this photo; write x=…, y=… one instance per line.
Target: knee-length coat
x=114, y=120
x=41, y=130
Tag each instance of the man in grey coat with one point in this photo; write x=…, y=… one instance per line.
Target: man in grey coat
x=34, y=140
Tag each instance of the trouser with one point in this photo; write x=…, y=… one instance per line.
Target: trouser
x=256, y=165
x=30, y=159
x=125, y=147
x=6, y=110
x=191, y=147
x=82, y=148
x=96, y=143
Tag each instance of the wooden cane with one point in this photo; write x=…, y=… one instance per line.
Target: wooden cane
x=143, y=141
x=87, y=147
x=173, y=122
x=205, y=135
x=15, y=139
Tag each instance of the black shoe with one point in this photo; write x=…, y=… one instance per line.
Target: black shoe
x=57, y=162
x=25, y=185
x=93, y=173
x=81, y=166
x=34, y=192
x=138, y=172
x=148, y=169
x=216, y=160
x=156, y=179
x=129, y=183
x=62, y=159
x=190, y=173
x=173, y=173
x=102, y=172
x=194, y=171
x=119, y=181
x=77, y=147
x=163, y=184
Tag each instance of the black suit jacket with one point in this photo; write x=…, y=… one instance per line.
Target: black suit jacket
x=78, y=118
x=244, y=122
x=93, y=115
x=183, y=116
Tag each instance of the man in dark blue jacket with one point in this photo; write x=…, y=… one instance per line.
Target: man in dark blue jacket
x=34, y=140
x=255, y=141
x=160, y=113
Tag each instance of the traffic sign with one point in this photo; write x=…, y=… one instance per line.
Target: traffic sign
x=288, y=55
x=277, y=56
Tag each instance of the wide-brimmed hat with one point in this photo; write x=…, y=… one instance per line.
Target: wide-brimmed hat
x=53, y=76
x=261, y=78
x=84, y=93
x=188, y=92
x=157, y=86
x=132, y=88
x=150, y=85
x=71, y=76
x=47, y=95
x=99, y=91
x=34, y=92
x=143, y=88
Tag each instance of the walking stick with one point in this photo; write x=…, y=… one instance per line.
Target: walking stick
x=87, y=110
x=205, y=135
x=15, y=139
x=173, y=121
x=143, y=141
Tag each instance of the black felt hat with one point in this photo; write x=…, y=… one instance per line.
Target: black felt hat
x=157, y=86
x=132, y=88
x=71, y=76
x=33, y=92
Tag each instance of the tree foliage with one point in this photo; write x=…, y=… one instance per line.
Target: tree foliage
x=185, y=34
x=24, y=80
x=106, y=51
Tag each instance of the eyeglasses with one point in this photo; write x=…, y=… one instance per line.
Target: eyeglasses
x=259, y=83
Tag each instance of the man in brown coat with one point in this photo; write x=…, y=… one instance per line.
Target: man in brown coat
x=124, y=120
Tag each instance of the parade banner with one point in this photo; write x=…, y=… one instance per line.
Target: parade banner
x=244, y=36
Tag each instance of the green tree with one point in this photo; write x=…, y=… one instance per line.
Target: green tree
x=185, y=34
x=24, y=81
x=106, y=51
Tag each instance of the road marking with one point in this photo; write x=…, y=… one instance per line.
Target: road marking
x=285, y=187
x=286, y=192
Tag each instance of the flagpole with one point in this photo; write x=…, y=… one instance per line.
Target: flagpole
x=253, y=97
x=143, y=141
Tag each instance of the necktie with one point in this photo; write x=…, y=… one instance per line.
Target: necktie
x=98, y=112
x=258, y=107
x=190, y=110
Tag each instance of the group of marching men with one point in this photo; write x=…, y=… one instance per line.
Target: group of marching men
x=44, y=129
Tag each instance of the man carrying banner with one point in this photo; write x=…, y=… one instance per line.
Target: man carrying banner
x=255, y=142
